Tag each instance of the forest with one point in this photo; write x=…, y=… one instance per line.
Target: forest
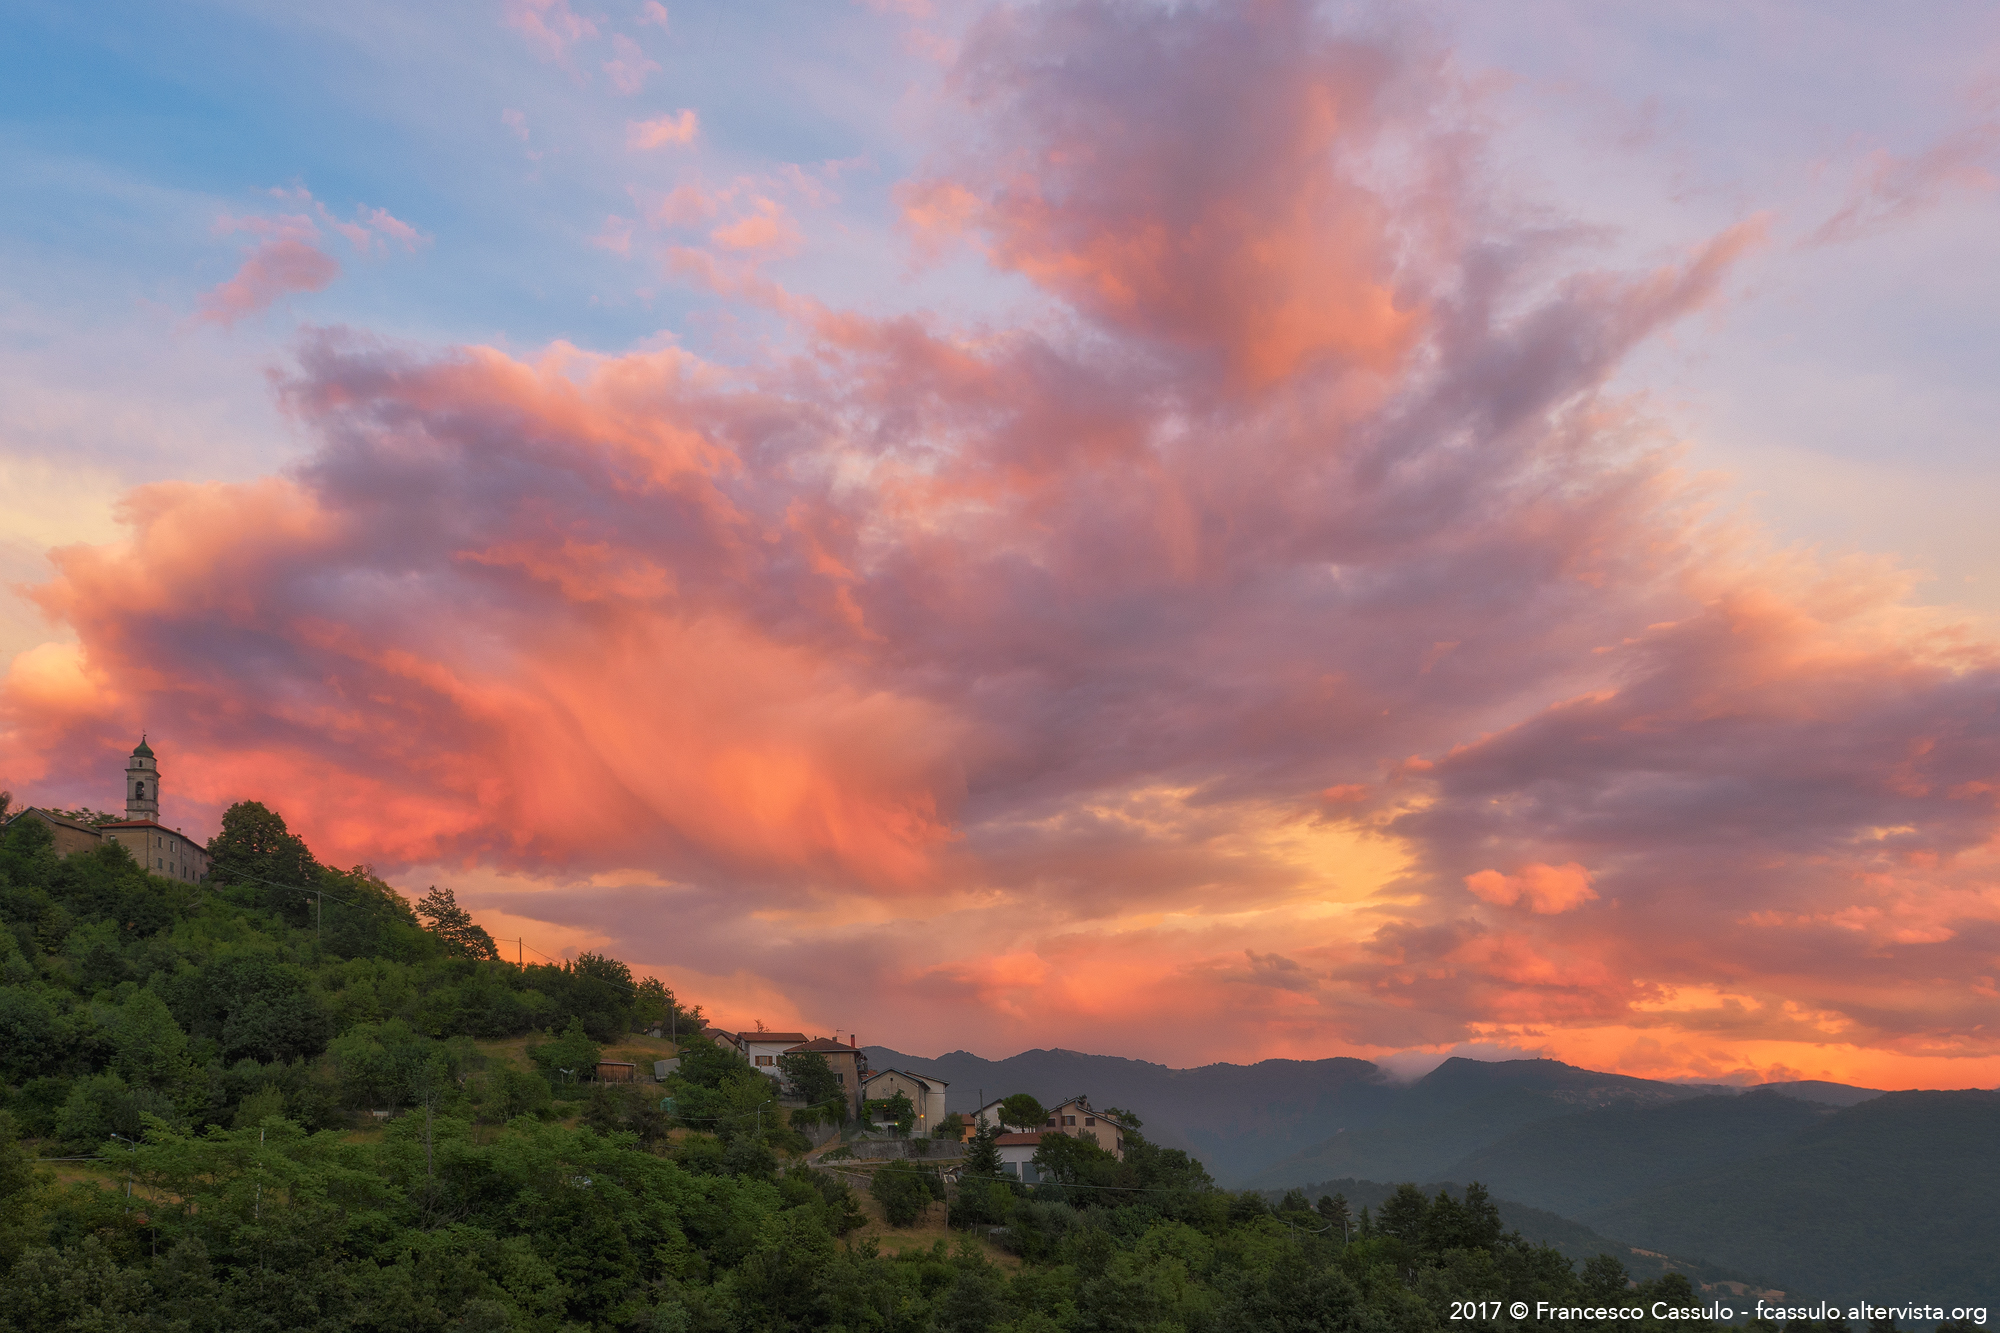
x=288, y=1098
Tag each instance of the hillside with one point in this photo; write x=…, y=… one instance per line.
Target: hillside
x=1274, y=1123
x=1575, y=1241
x=1578, y=1164
x=1234, y=1117
x=220, y=1112
x=1894, y=1194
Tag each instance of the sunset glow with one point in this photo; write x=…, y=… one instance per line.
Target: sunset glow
x=1150, y=529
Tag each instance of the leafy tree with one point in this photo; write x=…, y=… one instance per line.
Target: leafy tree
x=252, y=1005
x=1403, y=1215
x=1605, y=1280
x=32, y=1036
x=1023, y=1112
x=571, y=1057
x=452, y=924
x=898, y=1111
x=951, y=1129
x=812, y=1077
x=654, y=1005
x=1072, y=1160
x=255, y=848
x=904, y=1190
x=151, y=1048
x=1333, y=1207
x=596, y=965
x=83, y=814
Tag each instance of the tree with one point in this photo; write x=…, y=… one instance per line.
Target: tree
x=1333, y=1207
x=255, y=847
x=453, y=925
x=951, y=1129
x=811, y=1077
x=151, y=1048
x=898, y=1110
x=654, y=1005
x=570, y=1057
x=83, y=814
x=1294, y=1201
x=1403, y=1214
x=1075, y=1161
x=904, y=1190
x=603, y=968
x=1023, y=1112
x=982, y=1157
x=1605, y=1279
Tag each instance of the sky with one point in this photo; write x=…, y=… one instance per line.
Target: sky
x=1195, y=532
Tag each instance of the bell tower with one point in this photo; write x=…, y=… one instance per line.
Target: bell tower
x=142, y=784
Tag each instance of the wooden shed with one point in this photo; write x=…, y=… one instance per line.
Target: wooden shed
x=617, y=1071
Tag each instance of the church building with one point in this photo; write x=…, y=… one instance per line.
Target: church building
x=166, y=852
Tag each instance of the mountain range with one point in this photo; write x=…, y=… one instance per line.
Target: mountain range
x=1279, y=1122
x=1816, y=1188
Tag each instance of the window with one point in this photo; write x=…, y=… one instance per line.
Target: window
x=1069, y=1120
x=766, y=1060
x=1090, y=1120
x=1051, y=1120
x=157, y=864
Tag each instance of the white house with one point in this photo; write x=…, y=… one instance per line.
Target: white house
x=1017, y=1153
x=762, y=1049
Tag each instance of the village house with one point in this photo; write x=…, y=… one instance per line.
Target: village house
x=845, y=1061
x=762, y=1049
x=926, y=1095
x=1017, y=1156
x=1075, y=1117
x=163, y=851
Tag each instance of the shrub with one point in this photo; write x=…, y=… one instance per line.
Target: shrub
x=904, y=1189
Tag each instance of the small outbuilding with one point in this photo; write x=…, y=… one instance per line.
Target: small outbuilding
x=617, y=1071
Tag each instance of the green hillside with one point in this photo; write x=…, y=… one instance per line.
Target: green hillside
x=1575, y=1241
x=1894, y=1195
x=1576, y=1165
x=1459, y=1108
x=284, y=1100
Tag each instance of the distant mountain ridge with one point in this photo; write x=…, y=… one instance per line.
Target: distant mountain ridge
x=1277, y=1122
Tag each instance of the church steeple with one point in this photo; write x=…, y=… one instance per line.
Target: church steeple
x=142, y=784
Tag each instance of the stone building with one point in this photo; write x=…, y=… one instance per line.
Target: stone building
x=163, y=851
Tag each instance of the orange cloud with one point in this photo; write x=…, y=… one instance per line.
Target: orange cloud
x=629, y=66
x=679, y=128
x=1188, y=667
x=1546, y=889
x=286, y=260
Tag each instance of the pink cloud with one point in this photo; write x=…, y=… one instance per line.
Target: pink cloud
x=1545, y=889
x=286, y=259
x=1190, y=666
x=629, y=65
x=679, y=128
x=655, y=13
x=1889, y=189
x=768, y=229
x=550, y=26
x=616, y=236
